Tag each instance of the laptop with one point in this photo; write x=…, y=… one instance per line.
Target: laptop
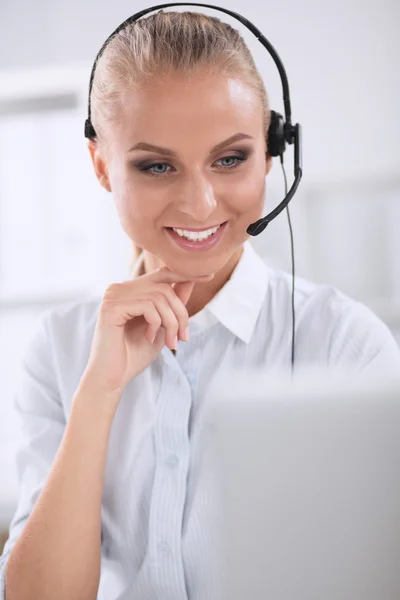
x=309, y=476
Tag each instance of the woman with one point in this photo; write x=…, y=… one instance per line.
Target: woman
x=111, y=501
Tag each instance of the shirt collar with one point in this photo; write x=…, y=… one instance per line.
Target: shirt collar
x=238, y=303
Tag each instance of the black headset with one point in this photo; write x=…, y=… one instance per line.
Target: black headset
x=280, y=131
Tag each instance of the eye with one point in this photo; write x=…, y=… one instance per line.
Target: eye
x=158, y=169
x=238, y=158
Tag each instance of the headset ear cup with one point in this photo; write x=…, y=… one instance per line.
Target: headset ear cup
x=276, y=143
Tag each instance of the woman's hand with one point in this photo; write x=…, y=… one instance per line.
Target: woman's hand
x=136, y=318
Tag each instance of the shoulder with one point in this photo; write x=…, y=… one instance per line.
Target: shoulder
x=316, y=304
x=60, y=343
x=73, y=317
x=63, y=323
x=332, y=327
x=71, y=326
x=68, y=324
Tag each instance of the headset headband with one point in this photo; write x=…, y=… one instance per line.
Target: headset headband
x=280, y=132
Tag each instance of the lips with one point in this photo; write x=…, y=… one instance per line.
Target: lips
x=197, y=246
x=196, y=229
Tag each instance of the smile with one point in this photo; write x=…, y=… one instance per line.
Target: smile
x=197, y=240
x=196, y=235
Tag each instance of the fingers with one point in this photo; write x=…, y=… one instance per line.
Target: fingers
x=166, y=275
x=169, y=319
x=145, y=308
x=160, y=297
x=157, y=313
x=177, y=300
x=177, y=290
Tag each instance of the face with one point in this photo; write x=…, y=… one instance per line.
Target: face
x=209, y=167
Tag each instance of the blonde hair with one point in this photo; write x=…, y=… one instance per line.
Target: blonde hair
x=166, y=42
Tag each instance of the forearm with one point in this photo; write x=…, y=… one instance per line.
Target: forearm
x=58, y=552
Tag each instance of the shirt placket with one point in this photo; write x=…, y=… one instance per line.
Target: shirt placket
x=172, y=453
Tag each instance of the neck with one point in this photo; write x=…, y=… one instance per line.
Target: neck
x=202, y=293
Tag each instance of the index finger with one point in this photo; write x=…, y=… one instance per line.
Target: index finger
x=165, y=275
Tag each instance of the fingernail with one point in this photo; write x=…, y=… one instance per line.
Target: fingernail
x=176, y=343
x=186, y=334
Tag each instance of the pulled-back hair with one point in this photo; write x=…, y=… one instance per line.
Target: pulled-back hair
x=154, y=47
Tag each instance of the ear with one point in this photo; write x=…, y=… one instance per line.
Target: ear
x=99, y=165
x=268, y=163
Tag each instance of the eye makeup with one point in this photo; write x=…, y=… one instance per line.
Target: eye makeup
x=146, y=167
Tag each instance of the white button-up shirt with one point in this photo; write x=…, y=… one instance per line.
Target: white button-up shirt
x=156, y=533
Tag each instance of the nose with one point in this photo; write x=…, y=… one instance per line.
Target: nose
x=197, y=198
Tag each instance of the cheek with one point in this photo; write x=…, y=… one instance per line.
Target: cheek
x=130, y=208
x=137, y=207
x=249, y=193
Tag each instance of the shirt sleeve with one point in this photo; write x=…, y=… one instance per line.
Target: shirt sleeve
x=361, y=340
x=39, y=410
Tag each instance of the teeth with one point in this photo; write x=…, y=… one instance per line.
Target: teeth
x=196, y=236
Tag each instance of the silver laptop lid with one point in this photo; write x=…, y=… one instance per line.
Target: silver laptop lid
x=310, y=481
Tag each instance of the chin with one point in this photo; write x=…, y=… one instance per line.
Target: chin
x=195, y=267
x=199, y=264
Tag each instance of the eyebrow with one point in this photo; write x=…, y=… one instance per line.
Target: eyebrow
x=168, y=152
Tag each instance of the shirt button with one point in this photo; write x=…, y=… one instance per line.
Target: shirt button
x=163, y=547
x=172, y=460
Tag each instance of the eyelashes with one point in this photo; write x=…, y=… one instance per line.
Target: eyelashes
x=147, y=168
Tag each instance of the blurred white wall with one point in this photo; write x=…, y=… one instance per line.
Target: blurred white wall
x=59, y=235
